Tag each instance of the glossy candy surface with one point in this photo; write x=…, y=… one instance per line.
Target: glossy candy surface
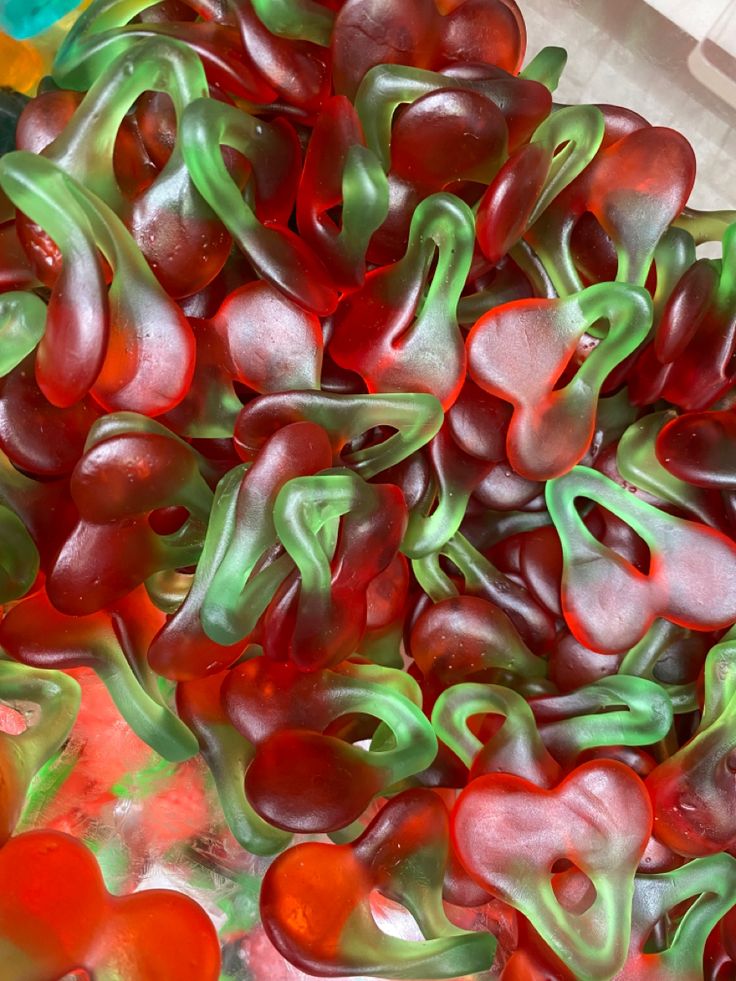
x=510, y=834
x=52, y=873
x=367, y=506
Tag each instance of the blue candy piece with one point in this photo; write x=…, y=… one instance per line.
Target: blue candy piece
x=26, y=18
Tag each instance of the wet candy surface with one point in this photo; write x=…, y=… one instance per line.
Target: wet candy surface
x=367, y=515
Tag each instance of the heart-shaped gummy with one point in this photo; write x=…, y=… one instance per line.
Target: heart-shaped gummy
x=609, y=604
x=509, y=834
x=56, y=916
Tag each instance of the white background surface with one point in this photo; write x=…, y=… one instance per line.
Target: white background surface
x=694, y=16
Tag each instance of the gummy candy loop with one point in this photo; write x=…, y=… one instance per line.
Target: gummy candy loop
x=617, y=711
x=516, y=748
x=712, y=883
x=551, y=428
x=344, y=418
x=38, y=635
x=57, y=698
x=276, y=253
x=227, y=754
x=599, y=818
x=324, y=923
x=608, y=604
x=115, y=341
x=283, y=713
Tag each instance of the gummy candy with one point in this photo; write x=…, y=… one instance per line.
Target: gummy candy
x=367, y=505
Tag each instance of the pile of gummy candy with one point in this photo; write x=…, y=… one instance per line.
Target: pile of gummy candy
x=368, y=426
